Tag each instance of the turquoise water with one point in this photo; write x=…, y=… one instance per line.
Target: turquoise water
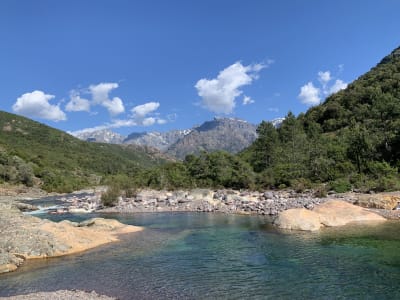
x=216, y=256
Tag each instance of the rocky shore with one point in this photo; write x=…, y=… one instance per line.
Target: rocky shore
x=26, y=237
x=248, y=202
x=224, y=201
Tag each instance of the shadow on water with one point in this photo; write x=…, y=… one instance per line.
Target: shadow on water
x=203, y=256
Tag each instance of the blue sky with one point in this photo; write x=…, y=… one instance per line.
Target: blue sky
x=160, y=65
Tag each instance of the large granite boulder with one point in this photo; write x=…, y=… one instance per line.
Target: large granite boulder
x=298, y=219
x=331, y=213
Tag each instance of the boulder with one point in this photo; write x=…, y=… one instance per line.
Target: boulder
x=338, y=213
x=330, y=213
x=7, y=268
x=298, y=219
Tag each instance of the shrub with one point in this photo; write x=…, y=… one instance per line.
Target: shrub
x=110, y=197
x=341, y=185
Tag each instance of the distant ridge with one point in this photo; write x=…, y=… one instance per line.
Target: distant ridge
x=229, y=134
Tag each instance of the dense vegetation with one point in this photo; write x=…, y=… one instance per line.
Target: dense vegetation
x=34, y=154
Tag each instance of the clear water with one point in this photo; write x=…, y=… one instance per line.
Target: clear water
x=216, y=256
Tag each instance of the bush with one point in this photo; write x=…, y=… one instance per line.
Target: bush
x=110, y=197
x=341, y=185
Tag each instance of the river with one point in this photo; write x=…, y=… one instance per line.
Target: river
x=219, y=256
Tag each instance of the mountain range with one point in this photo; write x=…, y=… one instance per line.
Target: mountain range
x=229, y=134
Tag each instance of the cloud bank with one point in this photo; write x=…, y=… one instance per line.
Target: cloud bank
x=36, y=104
x=219, y=94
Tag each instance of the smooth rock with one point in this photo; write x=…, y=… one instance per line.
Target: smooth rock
x=338, y=213
x=298, y=219
x=330, y=213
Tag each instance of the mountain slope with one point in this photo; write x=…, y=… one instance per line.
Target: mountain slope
x=352, y=140
x=31, y=152
x=231, y=135
x=371, y=94
x=370, y=105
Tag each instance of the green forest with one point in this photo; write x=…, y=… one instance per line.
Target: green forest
x=351, y=141
x=34, y=154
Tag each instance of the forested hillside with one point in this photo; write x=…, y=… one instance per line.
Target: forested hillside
x=35, y=154
x=352, y=140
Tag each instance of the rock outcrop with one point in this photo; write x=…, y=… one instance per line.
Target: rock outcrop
x=329, y=214
x=381, y=201
x=25, y=237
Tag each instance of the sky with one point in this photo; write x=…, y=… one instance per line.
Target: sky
x=133, y=66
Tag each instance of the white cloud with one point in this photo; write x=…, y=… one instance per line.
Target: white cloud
x=140, y=117
x=100, y=96
x=145, y=109
x=141, y=112
x=273, y=109
x=148, y=121
x=337, y=86
x=36, y=104
x=247, y=100
x=309, y=94
x=76, y=103
x=324, y=77
x=219, y=94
